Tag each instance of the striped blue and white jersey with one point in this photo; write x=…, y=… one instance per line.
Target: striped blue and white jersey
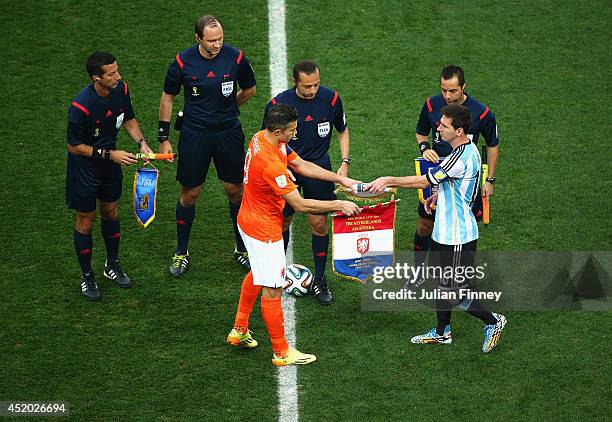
x=458, y=180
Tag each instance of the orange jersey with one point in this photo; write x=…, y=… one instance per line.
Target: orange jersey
x=265, y=182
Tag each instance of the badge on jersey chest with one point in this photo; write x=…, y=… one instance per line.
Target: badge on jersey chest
x=227, y=88
x=323, y=129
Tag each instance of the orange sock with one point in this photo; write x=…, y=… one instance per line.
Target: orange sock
x=272, y=312
x=248, y=296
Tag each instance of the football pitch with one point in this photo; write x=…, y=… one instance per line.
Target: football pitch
x=158, y=351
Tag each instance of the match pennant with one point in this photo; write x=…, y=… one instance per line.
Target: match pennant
x=145, y=195
x=363, y=242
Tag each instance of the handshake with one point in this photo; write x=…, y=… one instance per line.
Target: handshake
x=368, y=190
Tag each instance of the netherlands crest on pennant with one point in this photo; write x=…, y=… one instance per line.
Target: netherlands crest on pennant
x=227, y=88
x=363, y=245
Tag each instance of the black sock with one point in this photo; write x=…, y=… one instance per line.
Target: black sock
x=420, y=247
x=320, y=245
x=233, y=210
x=111, y=232
x=286, y=239
x=184, y=220
x=443, y=311
x=83, y=245
x=480, y=311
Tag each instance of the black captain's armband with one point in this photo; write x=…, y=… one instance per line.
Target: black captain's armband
x=164, y=131
x=96, y=154
x=424, y=146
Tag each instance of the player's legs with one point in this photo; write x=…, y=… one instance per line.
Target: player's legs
x=443, y=257
x=268, y=274
x=272, y=313
x=229, y=157
x=240, y=334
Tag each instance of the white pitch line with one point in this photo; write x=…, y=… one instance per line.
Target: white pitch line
x=287, y=376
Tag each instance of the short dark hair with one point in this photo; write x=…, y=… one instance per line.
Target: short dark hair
x=95, y=62
x=206, y=21
x=279, y=116
x=460, y=115
x=307, y=67
x=451, y=71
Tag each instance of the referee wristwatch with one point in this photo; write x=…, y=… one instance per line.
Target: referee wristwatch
x=346, y=160
x=491, y=180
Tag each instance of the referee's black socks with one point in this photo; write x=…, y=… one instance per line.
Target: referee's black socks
x=320, y=246
x=82, y=246
x=111, y=232
x=184, y=221
x=421, y=247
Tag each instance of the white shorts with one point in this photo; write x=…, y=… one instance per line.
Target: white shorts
x=267, y=261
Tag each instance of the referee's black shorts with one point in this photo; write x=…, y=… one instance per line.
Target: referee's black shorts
x=196, y=148
x=88, y=180
x=321, y=190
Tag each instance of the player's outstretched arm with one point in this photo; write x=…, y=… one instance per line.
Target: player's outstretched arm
x=308, y=169
x=313, y=206
x=406, y=182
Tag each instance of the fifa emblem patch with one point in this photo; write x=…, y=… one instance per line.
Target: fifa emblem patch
x=363, y=245
x=281, y=181
x=323, y=129
x=194, y=91
x=227, y=88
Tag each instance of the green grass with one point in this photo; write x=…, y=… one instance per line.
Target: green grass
x=157, y=351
